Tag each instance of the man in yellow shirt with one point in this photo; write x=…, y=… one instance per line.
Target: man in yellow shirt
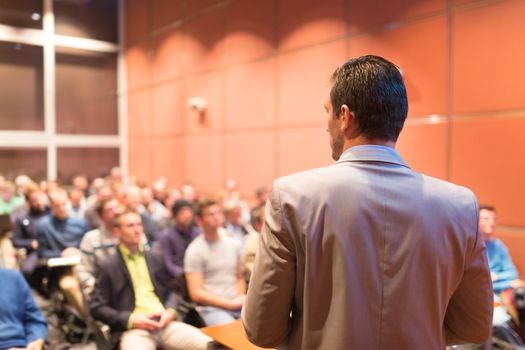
x=133, y=296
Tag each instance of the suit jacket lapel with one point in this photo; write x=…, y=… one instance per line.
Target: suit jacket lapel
x=124, y=270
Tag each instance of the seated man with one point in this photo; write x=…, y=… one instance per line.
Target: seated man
x=102, y=192
x=233, y=221
x=77, y=204
x=175, y=239
x=503, y=272
x=59, y=236
x=97, y=244
x=213, y=270
x=133, y=201
x=57, y=232
x=133, y=297
x=22, y=325
x=25, y=235
x=155, y=209
x=24, y=226
x=504, y=275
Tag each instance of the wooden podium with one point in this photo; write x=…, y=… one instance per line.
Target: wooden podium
x=230, y=335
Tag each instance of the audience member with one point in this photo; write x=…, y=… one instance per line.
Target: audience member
x=154, y=208
x=22, y=325
x=132, y=295
x=233, y=222
x=57, y=231
x=503, y=272
x=261, y=195
x=188, y=193
x=60, y=236
x=133, y=201
x=233, y=193
x=103, y=192
x=25, y=235
x=81, y=183
x=22, y=184
x=160, y=192
x=49, y=186
x=77, y=204
x=9, y=200
x=175, y=239
x=96, y=184
x=97, y=244
x=115, y=176
x=213, y=270
x=174, y=195
x=24, y=227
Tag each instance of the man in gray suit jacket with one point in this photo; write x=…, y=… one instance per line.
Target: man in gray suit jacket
x=366, y=253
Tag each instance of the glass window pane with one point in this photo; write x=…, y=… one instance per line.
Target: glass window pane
x=21, y=94
x=21, y=13
x=28, y=161
x=93, y=19
x=93, y=162
x=86, y=92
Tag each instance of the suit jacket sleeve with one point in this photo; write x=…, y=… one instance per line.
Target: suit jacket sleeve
x=469, y=314
x=266, y=312
x=100, y=303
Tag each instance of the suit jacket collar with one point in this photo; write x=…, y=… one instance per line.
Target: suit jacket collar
x=372, y=153
x=149, y=263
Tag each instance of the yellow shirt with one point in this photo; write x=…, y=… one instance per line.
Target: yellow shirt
x=146, y=300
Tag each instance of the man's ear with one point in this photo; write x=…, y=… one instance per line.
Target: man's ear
x=198, y=220
x=347, y=118
x=116, y=231
x=349, y=125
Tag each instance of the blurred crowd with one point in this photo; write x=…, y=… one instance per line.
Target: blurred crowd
x=58, y=235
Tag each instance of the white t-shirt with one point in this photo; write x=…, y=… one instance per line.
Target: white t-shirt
x=218, y=261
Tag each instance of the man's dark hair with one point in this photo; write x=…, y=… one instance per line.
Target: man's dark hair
x=99, y=205
x=488, y=207
x=373, y=89
x=178, y=205
x=203, y=204
x=32, y=188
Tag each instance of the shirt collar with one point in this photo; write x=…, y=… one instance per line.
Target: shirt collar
x=372, y=153
x=127, y=254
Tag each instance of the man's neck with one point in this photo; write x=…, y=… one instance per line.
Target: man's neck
x=211, y=236
x=109, y=228
x=133, y=249
x=182, y=228
x=361, y=141
x=60, y=219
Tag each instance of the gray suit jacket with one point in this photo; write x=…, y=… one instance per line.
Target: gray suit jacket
x=368, y=254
